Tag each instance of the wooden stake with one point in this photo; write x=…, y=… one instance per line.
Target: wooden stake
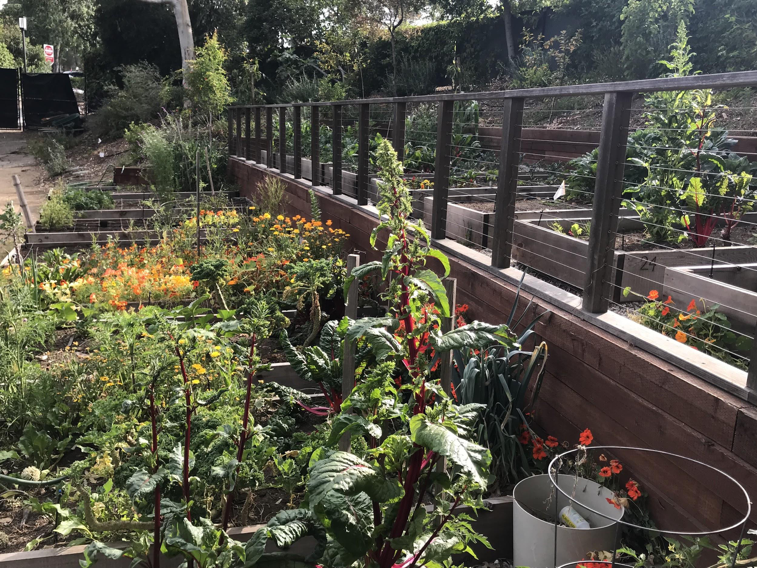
x=22, y=202
x=348, y=357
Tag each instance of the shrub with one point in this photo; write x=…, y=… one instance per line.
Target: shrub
x=82, y=200
x=51, y=153
x=139, y=100
x=56, y=214
x=160, y=156
x=271, y=195
x=207, y=86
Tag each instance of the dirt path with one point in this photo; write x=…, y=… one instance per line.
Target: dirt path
x=15, y=159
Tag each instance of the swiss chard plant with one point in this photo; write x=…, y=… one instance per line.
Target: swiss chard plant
x=391, y=503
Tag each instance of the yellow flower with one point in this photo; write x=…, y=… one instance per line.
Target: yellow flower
x=196, y=381
x=182, y=341
x=215, y=354
x=104, y=379
x=280, y=217
x=271, y=249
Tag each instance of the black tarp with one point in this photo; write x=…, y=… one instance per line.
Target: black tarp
x=8, y=98
x=46, y=95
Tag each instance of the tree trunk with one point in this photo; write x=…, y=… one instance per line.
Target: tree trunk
x=507, y=17
x=394, y=64
x=184, y=27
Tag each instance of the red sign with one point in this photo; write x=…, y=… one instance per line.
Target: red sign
x=49, y=54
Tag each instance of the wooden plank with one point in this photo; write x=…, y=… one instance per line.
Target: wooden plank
x=315, y=146
x=751, y=379
x=258, y=135
x=507, y=183
x=336, y=150
x=269, y=137
x=608, y=193
x=441, y=169
x=283, y=140
x=398, y=132
x=248, y=135
x=655, y=429
x=348, y=357
x=745, y=438
x=230, y=117
x=363, y=154
x=238, y=148
x=297, y=141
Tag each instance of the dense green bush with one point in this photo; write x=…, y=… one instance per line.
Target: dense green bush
x=56, y=214
x=82, y=200
x=51, y=152
x=140, y=100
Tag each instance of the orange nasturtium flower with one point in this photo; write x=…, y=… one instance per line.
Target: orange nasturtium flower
x=665, y=311
x=681, y=337
x=633, y=489
x=616, y=466
x=539, y=453
x=692, y=306
x=586, y=437
x=653, y=295
x=605, y=472
x=551, y=442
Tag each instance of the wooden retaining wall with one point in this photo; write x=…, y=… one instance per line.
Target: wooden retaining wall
x=596, y=380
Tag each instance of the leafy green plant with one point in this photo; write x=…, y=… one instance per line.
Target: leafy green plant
x=84, y=200
x=56, y=214
x=310, y=282
x=207, y=86
x=51, y=153
x=369, y=510
x=271, y=196
x=498, y=378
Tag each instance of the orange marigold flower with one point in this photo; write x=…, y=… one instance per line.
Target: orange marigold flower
x=616, y=466
x=692, y=306
x=586, y=437
x=605, y=472
x=653, y=295
x=92, y=298
x=681, y=336
x=551, y=442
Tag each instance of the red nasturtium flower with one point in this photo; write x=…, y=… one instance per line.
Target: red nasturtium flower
x=653, y=295
x=665, y=311
x=613, y=502
x=605, y=472
x=692, y=306
x=525, y=437
x=633, y=489
x=669, y=300
x=551, y=442
x=539, y=453
x=616, y=466
x=586, y=437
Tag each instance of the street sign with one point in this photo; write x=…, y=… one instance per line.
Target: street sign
x=49, y=53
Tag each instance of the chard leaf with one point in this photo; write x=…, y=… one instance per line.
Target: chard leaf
x=470, y=457
x=354, y=424
x=142, y=484
x=473, y=335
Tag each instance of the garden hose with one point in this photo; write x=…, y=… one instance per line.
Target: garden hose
x=31, y=483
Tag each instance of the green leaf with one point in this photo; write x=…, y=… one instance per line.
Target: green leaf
x=359, y=272
x=141, y=484
x=227, y=471
x=176, y=462
x=66, y=527
x=286, y=528
x=352, y=423
x=331, y=340
x=695, y=194
x=375, y=232
x=470, y=457
x=474, y=335
x=358, y=328
x=107, y=487
x=441, y=257
x=8, y=455
x=429, y=281
x=97, y=548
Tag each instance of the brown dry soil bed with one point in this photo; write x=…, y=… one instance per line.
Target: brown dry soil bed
x=742, y=235
x=523, y=205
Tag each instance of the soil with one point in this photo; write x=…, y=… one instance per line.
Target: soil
x=257, y=507
x=523, y=205
x=636, y=241
x=22, y=525
x=270, y=352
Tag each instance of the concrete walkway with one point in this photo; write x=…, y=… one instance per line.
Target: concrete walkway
x=15, y=159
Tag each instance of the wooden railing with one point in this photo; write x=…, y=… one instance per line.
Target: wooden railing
x=608, y=185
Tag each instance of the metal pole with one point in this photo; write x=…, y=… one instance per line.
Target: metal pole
x=348, y=358
x=363, y=152
x=23, y=42
x=336, y=150
x=22, y=202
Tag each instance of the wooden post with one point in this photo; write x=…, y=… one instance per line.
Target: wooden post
x=507, y=182
x=441, y=170
x=336, y=150
x=348, y=357
x=448, y=324
x=269, y=137
x=363, y=148
x=315, y=146
x=238, y=151
x=230, y=116
x=398, y=131
x=608, y=191
x=247, y=135
x=751, y=378
x=297, y=141
x=258, y=135
x=283, y=140
x=22, y=202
